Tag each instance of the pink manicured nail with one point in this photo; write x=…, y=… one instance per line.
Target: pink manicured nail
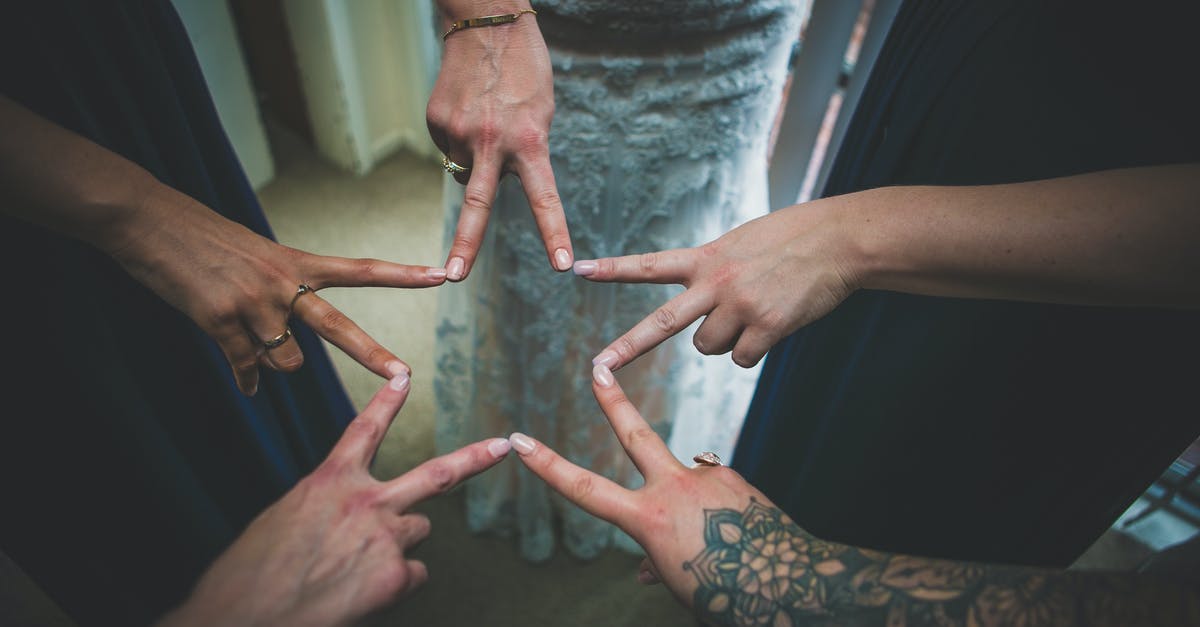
x=436, y=273
x=395, y=368
x=454, y=269
x=399, y=382
x=606, y=358
x=586, y=268
x=522, y=443
x=562, y=259
x=602, y=375
x=499, y=447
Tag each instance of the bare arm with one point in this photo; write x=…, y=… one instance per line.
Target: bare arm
x=490, y=111
x=1117, y=237
x=235, y=284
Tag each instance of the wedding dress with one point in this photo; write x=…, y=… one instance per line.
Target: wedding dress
x=660, y=140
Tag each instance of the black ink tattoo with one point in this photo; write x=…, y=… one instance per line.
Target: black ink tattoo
x=760, y=568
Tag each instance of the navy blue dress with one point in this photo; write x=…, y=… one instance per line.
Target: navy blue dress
x=976, y=429
x=129, y=459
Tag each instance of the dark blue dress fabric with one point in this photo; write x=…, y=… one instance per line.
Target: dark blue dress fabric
x=976, y=429
x=129, y=458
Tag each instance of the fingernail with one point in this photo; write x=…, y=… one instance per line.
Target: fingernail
x=602, y=375
x=454, y=269
x=395, y=368
x=646, y=577
x=522, y=443
x=606, y=358
x=586, y=268
x=499, y=447
x=436, y=273
x=562, y=259
x=399, y=382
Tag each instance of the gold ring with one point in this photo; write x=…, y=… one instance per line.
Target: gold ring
x=278, y=339
x=453, y=167
x=707, y=458
x=300, y=291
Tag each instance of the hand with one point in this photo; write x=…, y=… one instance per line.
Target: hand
x=734, y=558
x=668, y=515
x=334, y=548
x=755, y=285
x=239, y=287
x=490, y=111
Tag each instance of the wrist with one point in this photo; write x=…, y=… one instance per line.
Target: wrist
x=875, y=223
x=452, y=12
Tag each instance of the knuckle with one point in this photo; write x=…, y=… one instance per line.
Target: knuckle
x=582, y=487
x=639, y=436
x=393, y=577
x=488, y=133
x=771, y=318
x=463, y=241
x=625, y=348
x=222, y=313
x=745, y=358
x=546, y=201
x=532, y=141
x=475, y=199
x=377, y=355
x=711, y=249
x=459, y=128
x=333, y=320
x=290, y=363
x=364, y=428
x=666, y=319
x=440, y=477
x=648, y=262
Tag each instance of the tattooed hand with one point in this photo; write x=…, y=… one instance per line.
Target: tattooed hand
x=734, y=558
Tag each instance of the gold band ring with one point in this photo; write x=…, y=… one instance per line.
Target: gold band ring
x=278, y=339
x=453, y=167
x=707, y=458
x=303, y=289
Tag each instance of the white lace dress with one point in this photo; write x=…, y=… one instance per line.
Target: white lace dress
x=659, y=141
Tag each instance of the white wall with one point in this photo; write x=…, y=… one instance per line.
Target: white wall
x=211, y=31
x=366, y=67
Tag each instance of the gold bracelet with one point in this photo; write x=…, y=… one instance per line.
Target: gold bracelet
x=487, y=20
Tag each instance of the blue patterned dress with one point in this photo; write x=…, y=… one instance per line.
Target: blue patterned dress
x=659, y=141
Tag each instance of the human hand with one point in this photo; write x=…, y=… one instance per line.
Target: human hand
x=702, y=528
x=755, y=285
x=241, y=288
x=490, y=111
x=334, y=548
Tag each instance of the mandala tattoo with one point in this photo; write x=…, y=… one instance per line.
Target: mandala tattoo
x=760, y=568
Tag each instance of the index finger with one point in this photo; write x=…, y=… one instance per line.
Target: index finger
x=671, y=318
x=537, y=178
x=338, y=329
x=362, y=436
x=597, y=495
x=647, y=450
x=441, y=474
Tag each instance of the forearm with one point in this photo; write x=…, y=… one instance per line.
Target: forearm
x=757, y=565
x=60, y=180
x=1118, y=237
